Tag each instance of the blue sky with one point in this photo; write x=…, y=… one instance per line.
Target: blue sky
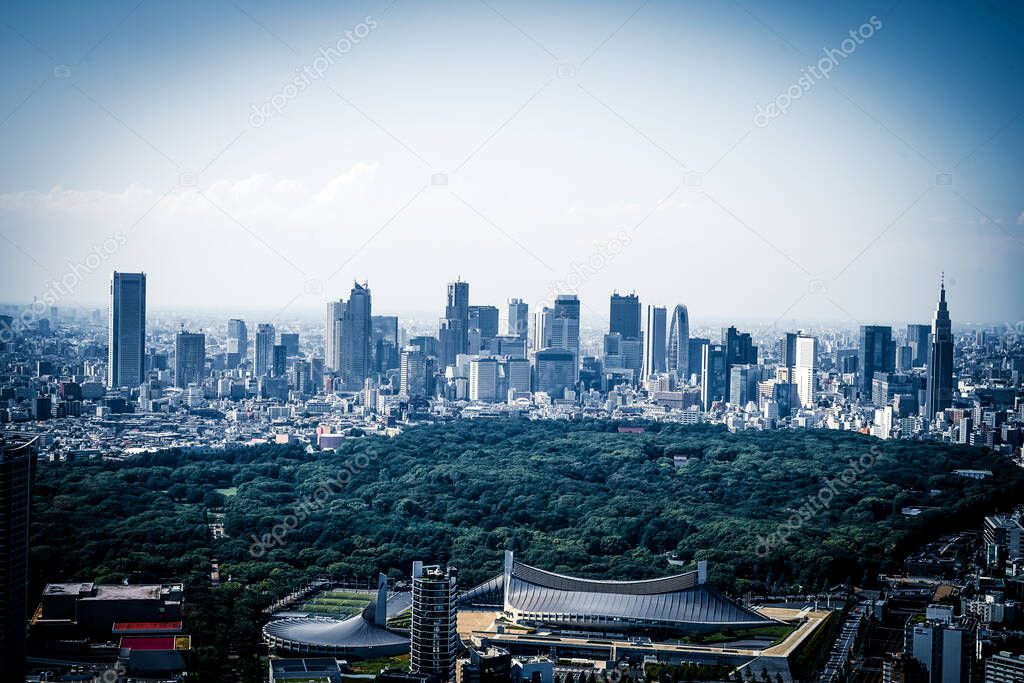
x=560, y=128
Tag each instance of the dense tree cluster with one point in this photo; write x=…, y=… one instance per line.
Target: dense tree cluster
x=575, y=497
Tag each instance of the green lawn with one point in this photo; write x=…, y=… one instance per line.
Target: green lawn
x=336, y=603
x=372, y=666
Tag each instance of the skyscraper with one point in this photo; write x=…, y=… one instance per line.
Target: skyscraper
x=263, y=349
x=356, y=328
x=739, y=350
x=433, y=636
x=805, y=365
x=332, y=334
x=939, y=394
x=17, y=473
x=917, y=339
x=787, y=354
x=566, y=326
x=238, y=337
x=413, y=374
x=678, y=353
x=189, y=358
x=126, y=353
x=484, y=319
x=713, y=374
x=654, y=341
x=278, y=360
x=457, y=308
x=290, y=341
x=517, y=318
x=624, y=315
x=555, y=371
x=384, y=342
x=542, y=328
x=877, y=353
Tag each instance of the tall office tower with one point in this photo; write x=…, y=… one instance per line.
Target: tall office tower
x=483, y=379
x=566, y=330
x=654, y=341
x=238, y=337
x=189, y=358
x=278, y=360
x=356, y=327
x=384, y=342
x=433, y=636
x=696, y=345
x=457, y=308
x=290, y=341
x=450, y=340
x=877, y=353
x=302, y=377
x=939, y=394
x=743, y=384
x=332, y=335
x=805, y=364
x=917, y=339
x=263, y=349
x=413, y=373
x=904, y=358
x=126, y=353
x=624, y=315
x=678, y=354
x=485, y=319
x=542, y=328
x=946, y=650
x=17, y=472
x=739, y=350
x=787, y=353
x=518, y=374
x=517, y=318
x=713, y=374
x=555, y=371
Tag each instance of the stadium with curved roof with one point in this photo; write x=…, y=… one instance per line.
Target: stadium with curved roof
x=362, y=636
x=682, y=603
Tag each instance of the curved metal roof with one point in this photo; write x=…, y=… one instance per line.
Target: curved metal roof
x=677, y=600
x=354, y=634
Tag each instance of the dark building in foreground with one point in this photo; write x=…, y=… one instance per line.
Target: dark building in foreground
x=17, y=471
x=877, y=353
x=433, y=633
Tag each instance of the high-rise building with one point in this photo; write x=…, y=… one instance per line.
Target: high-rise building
x=678, y=353
x=485, y=319
x=654, y=341
x=917, y=339
x=278, y=360
x=457, y=308
x=290, y=341
x=517, y=317
x=804, y=370
x=483, y=379
x=356, y=328
x=713, y=374
x=433, y=635
x=743, y=384
x=263, y=349
x=17, y=473
x=384, y=343
x=696, y=345
x=565, y=332
x=451, y=340
x=542, y=328
x=877, y=353
x=739, y=350
x=189, y=358
x=946, y=650
x=939, y=389
x=413, y=373
x=555, y=371
x=332, y=334
x=238, y=337
x=787, y=353
x=126, y=353
x=624, y=315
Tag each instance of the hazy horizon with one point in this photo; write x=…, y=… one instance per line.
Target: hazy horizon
x=630, y=136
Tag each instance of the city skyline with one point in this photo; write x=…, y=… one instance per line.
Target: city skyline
x=843, y=207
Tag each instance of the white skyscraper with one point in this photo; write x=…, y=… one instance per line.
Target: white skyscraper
x=126, y=342
x=805, y=367
x=483, y=380
x=332, y=334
